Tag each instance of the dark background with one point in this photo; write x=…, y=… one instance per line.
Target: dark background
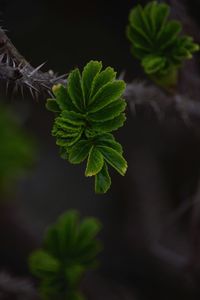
x=142, y=259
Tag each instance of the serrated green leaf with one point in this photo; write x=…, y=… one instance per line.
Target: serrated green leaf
x=110, y=125
x=162, y=13
x=107, y=94
x=91, y=105
x=64, y=124
x=139, y=44
x=72, y=117
x=79, y=152
x=155, y=40
x=102, y=180
x=137, y=23
x=150, y=15
x=94, y=163
x=63, y=99
x=114, y=158
x=74, y=88
x=108, y=140
x=108, y=75
x=67, y=142
x=89, y=73
x=108, y=112
x=169, y=34
x=65, y=135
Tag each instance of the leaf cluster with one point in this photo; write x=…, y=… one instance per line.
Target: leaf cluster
x=70, y=249
x=156, y=40
x=88, y=109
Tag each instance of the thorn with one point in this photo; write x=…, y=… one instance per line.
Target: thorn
x=23, y=67
x=50, y=93
x=59, y=77
x=7, y=59
x=20, y=65
x=13, y=63
x=31, y=91
x=36, y=69
x=45, y=86
x=31, y=86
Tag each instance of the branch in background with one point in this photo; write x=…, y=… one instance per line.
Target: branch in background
x=15, y=69
x=142, y=94
x=15, y=288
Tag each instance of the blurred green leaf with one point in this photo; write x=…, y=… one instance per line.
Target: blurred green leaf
x=70, y=249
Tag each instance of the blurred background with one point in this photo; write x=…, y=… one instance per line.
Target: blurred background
x=151, y=217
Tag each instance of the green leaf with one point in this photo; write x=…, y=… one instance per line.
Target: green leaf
x=67, y=142
x=51, y=241
x=169, y=34
x=89, y=73
x=160, y=16
x=74, y=274
x=43, y=264
x=70, y=249
x=63, y=99
x=94, y=163
x=107, y=94
x=138, y=25
x=108, y=140
x=67, y=228
x=67, y=125
x=90, y=106
x=75, y=89
x=108, y=112
x=79, y=152
x=72, y=117
x=153, y=64
x=87, y=257
x=114, y=158
x=89, y=228
x=108, y=75
x=110, y=125
x=156, y=41
x=102, y=180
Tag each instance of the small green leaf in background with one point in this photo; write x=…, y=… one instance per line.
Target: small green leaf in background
x=156, y=41
x=70, y=249
x=88, y=109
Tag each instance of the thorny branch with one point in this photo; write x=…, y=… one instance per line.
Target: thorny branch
x=15, y=69
x=164, y=105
